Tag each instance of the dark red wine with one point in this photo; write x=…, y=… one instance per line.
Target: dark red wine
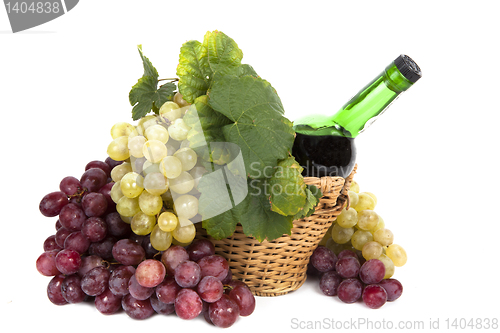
x=328, y=155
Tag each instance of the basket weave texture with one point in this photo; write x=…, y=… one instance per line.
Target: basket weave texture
x=280, y=266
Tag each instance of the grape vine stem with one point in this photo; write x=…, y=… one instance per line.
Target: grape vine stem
x=169, y=79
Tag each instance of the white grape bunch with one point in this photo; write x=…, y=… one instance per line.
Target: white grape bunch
x=155, y=187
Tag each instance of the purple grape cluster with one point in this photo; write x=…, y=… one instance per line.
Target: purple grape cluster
x=199, y=281
x=351, y=280
x=95, y=256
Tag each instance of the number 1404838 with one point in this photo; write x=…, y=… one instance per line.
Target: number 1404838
x=33, y=7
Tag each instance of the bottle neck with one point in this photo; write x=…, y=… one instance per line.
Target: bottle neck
x=361, y=111
x=364, y=108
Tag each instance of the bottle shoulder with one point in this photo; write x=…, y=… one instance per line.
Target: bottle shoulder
x=325, y=129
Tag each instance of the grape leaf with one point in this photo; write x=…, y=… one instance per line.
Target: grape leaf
x=258, y=126
x=223, y=54
x=145, y=95
x=288, y=190
x=193, y=71
x=200, y=62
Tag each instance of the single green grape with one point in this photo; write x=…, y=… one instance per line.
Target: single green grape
x=135, y=146
x=167, y=221
x=186, y=206
x=372, y=250
x=128, y=206
x=150, y=204
x=347, y=218
x=397, y=254
x=188, y=158
x=154, y=151
x=132, y=185
x=142, y=224
x=365, y=202
x=160, y=239
x=181, y=184
x=122, y=129
x=120, y=170
x=360, y=238
x=170, y=167
x=155, y=183
x=178, y=130
x=341, y=235
x=367, y=219
x=185, y=231
x=384, y=236
x=118, y=149
x=157, y=132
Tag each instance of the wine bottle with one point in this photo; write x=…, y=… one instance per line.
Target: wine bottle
x=324, y=145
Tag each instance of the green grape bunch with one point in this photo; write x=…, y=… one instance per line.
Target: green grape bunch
x=155, y=186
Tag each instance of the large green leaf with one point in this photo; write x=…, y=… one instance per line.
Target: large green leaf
x=200, y=62
x=223, y=54
x=258, y=126
x=193, y=70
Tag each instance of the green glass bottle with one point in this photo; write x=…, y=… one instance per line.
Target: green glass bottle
x=324, y=145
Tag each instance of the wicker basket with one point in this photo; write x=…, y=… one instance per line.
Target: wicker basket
x=280, y=266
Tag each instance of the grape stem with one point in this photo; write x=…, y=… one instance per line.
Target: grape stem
x=107, y=264
x=79, y=194
x=169, y=79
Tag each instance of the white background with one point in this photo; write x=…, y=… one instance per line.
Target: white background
x=431, y=159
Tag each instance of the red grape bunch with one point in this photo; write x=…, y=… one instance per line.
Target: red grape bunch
x=95, y=256
x=352, y=278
